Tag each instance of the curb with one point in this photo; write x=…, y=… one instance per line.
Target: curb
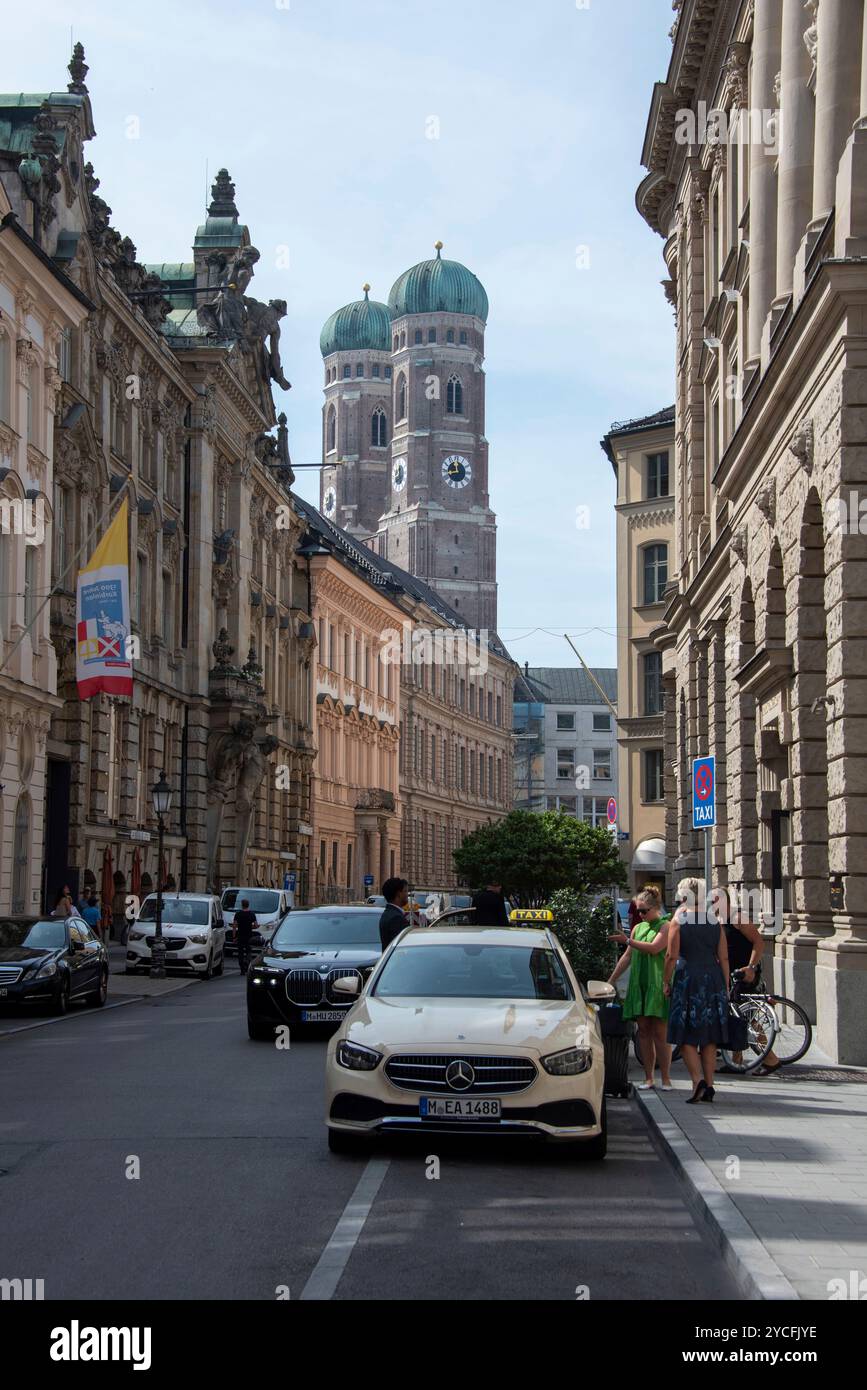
x=755, y=1271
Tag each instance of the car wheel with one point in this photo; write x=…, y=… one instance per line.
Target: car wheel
x=60, y=1002
x=218, y=969
x=258, y=1031
x=208, y=972
x=598, y=1147
x=100, y=994
x=339, y=1142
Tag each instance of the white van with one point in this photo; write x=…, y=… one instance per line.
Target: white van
x=270, y=906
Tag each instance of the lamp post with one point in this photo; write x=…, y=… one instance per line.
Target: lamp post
x=162, y=798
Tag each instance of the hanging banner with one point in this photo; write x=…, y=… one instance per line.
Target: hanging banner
x=102, y=624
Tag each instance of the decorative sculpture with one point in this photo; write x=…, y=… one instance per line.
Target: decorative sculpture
x=224, y=315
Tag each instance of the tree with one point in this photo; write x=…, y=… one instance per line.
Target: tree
x=533, y=855
x=583, y=928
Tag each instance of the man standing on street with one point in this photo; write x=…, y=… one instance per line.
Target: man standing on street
x=393, y=920
x=245, y=921
x=490, y=907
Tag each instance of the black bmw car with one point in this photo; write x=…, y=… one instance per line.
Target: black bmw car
x=51, y=961
x=292, y=981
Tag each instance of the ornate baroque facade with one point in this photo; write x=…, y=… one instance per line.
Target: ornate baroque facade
x=765, y=240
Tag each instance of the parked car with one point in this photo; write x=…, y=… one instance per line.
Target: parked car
x=51, y=961
x=270, y=906
x=194, y=933
x=292, y=981
x=470, y=1030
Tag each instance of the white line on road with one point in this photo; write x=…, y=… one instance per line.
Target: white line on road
x=323, y=1282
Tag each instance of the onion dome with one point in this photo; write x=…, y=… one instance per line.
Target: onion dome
x=364, y=324
x=438, y=286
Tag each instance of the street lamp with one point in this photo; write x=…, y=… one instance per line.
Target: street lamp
x=162, y=799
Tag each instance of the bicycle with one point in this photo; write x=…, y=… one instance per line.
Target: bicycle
x=793, y=1029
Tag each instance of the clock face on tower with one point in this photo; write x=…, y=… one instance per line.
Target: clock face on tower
x=329, y=501
x=398, y=474
x=457, y=471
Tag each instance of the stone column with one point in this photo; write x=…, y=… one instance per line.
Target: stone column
x=850, y=229
x=796, y=134
x=763, y=176
x=840, y=26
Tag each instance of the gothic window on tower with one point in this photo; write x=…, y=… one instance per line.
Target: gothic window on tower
x=347, y=370
x=331, y=430
x=388, y=373
x=431, y=335
x=378, y=429
x=374, y=371
x=418, y=335
x=463, y=337
x=454, y=397
x=450, y=335
x=359, y=369
x=401, y=397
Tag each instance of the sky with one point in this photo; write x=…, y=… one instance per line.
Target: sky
x=323, y=111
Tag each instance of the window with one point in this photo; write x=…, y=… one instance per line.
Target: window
x=61, y=530
x=499, y=711
x=653, y=780
x=378, y=428
x=64, y=354
x=657, y=475
x=5, y=393
x=463, y=336
x=418, y=335
x=388, y=373
x=601, y=723
x=565, y=764
x=433, y=756
x=595, y=810
x=168, y=610
x=359, y=369
x=450, y=335
x=31, y=580
x=331, y=430
x=401, y=397
x=21, y=855
x=655, y=572
x=141, y=591
x=563, y=803
x=347, y=371
x=431, y=335
x=602, y=764
x=454, y=397
x=374, y=371
x=652, y=663
x=565, y=721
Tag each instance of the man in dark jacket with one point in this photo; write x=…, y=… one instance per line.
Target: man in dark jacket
x=393, y=920
x=490, y=907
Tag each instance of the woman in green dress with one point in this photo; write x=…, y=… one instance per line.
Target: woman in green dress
x=645, y=1000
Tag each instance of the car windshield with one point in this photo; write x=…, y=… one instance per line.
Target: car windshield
x=48, y=935
x=465, y=970
x=328, y=929
x=182, y=912
x=264, y=900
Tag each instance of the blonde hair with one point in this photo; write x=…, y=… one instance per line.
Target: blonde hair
x=652, y=894
x=693, y=891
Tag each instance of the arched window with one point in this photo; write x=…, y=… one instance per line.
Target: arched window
x=21, y=855
x=331, y=430
x=454, y=397
x=378, y=428
x=450, y=335
x=655, y=572
x=401, y=397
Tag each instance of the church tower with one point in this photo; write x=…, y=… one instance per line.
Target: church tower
x=436, y=520
x=356, y=416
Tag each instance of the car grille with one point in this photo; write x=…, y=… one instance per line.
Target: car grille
x=304, y=987
x=173, y=943
x=9, y=974
x=334, y=998
x=426, y=1072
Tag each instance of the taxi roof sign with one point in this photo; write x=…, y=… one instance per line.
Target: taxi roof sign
x=531, y=914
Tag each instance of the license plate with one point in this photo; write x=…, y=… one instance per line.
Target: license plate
x=322, y=1015
x=446, y=1108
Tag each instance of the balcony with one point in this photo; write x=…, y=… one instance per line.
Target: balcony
x=375, y=799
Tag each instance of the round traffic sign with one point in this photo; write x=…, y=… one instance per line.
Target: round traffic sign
x=612, y=810
x=703, y=782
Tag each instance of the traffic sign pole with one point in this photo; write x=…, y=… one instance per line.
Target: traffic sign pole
x=704, y=808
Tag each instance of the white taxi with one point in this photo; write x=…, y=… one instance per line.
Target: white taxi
x=470, y=1030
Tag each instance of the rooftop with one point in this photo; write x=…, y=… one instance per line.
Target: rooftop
x=565, y=685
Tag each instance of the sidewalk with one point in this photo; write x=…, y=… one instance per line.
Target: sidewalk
x=138, y=985
x=778, y=1168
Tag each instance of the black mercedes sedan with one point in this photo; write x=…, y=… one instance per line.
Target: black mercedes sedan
x=51, y=961
x=292, y=981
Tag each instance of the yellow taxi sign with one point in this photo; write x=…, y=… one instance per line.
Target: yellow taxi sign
x=531, y=914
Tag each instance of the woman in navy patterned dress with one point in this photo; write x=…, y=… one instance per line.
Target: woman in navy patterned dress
x=698, y=1015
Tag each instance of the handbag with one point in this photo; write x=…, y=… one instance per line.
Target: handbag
x=738, y=1030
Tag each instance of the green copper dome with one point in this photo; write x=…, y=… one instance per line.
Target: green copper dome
x=438, y=286
x=364, y=324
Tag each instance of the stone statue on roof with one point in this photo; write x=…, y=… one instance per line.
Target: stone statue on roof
x=224, y=315
x=263, y=321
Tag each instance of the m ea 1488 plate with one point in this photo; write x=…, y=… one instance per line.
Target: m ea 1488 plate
x=458, y=1108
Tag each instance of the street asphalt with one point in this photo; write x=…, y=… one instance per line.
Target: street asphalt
x=238, y=1197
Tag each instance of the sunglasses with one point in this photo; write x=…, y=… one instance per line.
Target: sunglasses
x=642, y=911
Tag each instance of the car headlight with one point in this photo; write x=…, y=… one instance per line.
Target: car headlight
x=571, y=1062
x=49, y=968
x=357, y=1058
x=136, y=936
x=200, y=938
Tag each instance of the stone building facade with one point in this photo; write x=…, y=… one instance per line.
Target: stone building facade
x=40, y=308
x=765, y=231
x=641, y=453
x=165, y=400
x=404, y=450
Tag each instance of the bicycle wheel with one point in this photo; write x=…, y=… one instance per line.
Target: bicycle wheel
x=794, y=1030
x=761, y=1035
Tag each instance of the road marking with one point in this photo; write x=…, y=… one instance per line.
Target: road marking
x=323, y=1282
x=65, y=1018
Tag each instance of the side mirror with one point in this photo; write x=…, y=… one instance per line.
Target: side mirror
x=600, y=991
x=76, y=945
x=347, y=984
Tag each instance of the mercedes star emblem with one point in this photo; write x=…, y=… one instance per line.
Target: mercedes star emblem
x=460, y=1075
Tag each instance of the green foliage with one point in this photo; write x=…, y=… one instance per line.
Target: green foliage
x=533, y=856
x=582, y=930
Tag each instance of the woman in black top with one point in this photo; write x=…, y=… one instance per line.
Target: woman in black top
x=698, y=1016
x=746, y=946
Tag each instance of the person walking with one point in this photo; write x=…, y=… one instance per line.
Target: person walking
x=245, y=922
x=645, y=999
x=699, y=1001
x=92, y=914
x=393, y=919
x=490, y=907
